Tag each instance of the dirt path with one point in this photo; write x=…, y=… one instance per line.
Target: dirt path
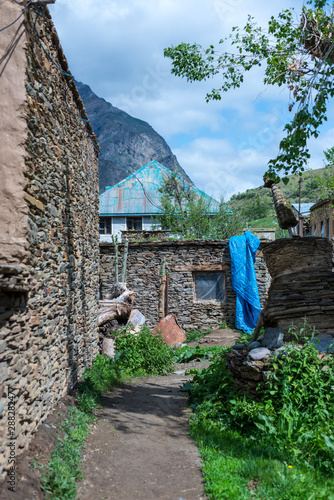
x=140, y=449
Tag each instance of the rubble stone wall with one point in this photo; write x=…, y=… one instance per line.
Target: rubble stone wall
x=183, y=258
x=49, y=291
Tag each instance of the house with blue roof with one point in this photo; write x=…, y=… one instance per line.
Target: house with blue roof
x=134, y=202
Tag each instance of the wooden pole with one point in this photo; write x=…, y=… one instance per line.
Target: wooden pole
x=114, y=240
x=299, y=218
x=161, y=307
x=125, y=260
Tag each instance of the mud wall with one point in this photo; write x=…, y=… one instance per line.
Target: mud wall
x=183, y=259
x=49, y=262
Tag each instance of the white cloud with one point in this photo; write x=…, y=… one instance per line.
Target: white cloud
x=116, y=47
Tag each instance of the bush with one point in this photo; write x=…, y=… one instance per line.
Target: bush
x=143, y=354
x=294, y=415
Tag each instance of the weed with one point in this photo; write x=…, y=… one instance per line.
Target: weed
x=186, y=353
x=195, y=335
x=284, y=443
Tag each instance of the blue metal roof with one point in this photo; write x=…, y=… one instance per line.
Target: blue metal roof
x=138, y=194
x=304, y=208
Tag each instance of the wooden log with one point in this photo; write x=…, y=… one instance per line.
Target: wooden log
x=119, y=308
x=124, y=262
x=162, y=288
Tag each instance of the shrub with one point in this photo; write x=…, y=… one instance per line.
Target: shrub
x=294, y=415
x=143, y=354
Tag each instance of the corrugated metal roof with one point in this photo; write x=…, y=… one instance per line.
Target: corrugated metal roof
x=304, y=207
x=128, y=196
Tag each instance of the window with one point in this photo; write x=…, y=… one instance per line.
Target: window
x=322, y=229
x=327, y=228
x=105, y=225
x=209, y=286
x=315, y=231
x=134, y=223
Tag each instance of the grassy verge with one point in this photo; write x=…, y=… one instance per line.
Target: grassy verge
x=140, y=355
x=278, y=448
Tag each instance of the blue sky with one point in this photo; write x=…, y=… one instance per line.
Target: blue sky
x=116, y=48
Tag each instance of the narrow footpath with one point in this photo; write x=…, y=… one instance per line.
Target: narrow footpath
x=139, y=448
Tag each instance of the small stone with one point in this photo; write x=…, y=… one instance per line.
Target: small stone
x=253, y=345
x=273, y=338
x=239, y=346
x=259, y=353
x=323, y=343
x=136, y=318
x=279, y=350
x=108, y=348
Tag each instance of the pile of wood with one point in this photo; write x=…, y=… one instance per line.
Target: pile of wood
x=116, y=311
x=302, y=287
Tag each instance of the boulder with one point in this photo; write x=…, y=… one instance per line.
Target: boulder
x=273, y=338
x=108, y=348
x=170, y=330
x=259, y=353
x=323, y=342
x=136, y=318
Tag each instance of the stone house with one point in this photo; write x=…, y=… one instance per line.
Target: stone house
x=322, y=219
x=49, y=241
x=134, y=202
x=199, y=284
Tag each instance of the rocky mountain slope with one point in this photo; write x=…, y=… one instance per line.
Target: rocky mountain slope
x=130, y=141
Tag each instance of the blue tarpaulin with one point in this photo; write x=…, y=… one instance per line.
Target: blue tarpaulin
x=243, y=249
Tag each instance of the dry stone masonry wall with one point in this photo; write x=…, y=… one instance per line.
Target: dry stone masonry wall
x=49, y=274
x=183, y=259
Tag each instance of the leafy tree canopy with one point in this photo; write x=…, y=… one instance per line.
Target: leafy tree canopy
x=189, y=215
x=298, y=54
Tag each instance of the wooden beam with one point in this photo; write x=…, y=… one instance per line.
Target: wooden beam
x=38, y=2
x=205, y=268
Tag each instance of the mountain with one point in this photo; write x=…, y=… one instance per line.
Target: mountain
x=132, y=142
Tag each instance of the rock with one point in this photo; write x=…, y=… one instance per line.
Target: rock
x=279, y=351
x=239, y=346
x=273, y=338
x=170, y=330
x=323, y=343
x=253, y=345
x=136, y=318
x=259, y=353
x=116, y=290
x=108, y=348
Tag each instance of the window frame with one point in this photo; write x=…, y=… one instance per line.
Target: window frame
x=104, y=219
x=210, y=300
x=136, y=219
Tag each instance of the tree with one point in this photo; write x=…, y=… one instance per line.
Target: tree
x=256, y=207
x=298, y=55
x=189, y=214
x=325, y=182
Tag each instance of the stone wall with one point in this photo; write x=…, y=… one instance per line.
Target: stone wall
x=49, y=261
x=302, y=286
x=183, y=258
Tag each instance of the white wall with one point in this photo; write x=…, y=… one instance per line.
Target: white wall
x=150, y=223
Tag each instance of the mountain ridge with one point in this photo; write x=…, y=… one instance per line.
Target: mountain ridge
x=130, y=141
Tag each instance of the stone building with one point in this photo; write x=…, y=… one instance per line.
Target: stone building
x=322, y=219
x=199, y=279
x=48, y=226
x=134, y=203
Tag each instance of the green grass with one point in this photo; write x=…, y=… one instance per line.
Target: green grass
x=236, y=467
x=278, y=448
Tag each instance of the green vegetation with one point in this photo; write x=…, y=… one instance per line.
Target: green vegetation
x=279, y=447
x=186, y=353
x=137, y=355
x=296, y=52
x=194, y=212
x=195, y=335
